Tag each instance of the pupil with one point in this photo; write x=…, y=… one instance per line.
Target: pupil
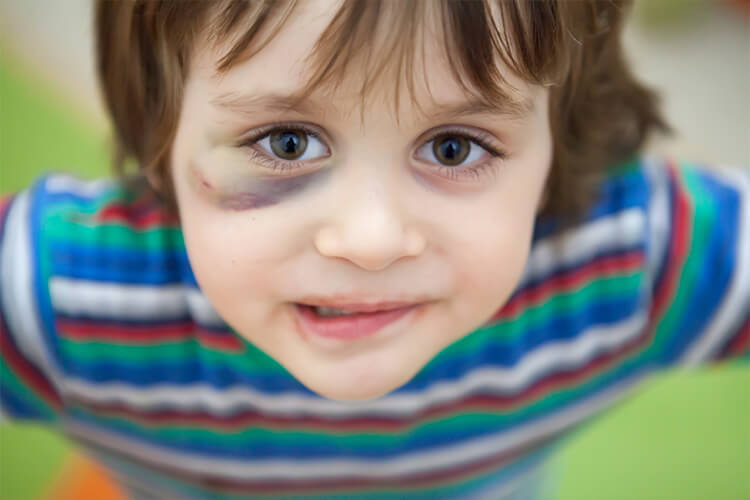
x=289, y=144
x=451, y=150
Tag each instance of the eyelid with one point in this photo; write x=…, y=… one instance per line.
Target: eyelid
x=249, y=141
x=485, y=139
x=259, y=133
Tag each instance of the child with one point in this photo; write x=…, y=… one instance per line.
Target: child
x=379, y=251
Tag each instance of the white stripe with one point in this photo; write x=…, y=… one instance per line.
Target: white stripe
x=523, y=486
x=494, y=380
x=130, y=476
x=735, y=306
x=117, y=301
x=201, y=309
x=620, y=230
x=19, y=305
x=658, y=214
x=447, y=457
x=64, y=183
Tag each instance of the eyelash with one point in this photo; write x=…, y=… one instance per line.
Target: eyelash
x=454, y=173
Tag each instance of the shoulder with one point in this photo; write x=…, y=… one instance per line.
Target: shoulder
x=97, y=239
x=649, y=201
x=64, y=202
x=679, y=234
x=71, y=246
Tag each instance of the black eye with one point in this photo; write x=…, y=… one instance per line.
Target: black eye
x=288, y=144
x=451, y=149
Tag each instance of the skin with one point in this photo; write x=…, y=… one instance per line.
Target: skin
x=222, y=176
x=374, y=215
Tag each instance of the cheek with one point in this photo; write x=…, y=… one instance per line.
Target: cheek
x=224, y=177
x=495, y=261
x=490, y=256
x=234, y=261
x=245, y=194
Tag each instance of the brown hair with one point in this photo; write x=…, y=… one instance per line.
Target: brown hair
x=599, y=114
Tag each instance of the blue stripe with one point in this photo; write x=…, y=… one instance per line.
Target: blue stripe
x=507, y=352
x=718, y=264
x=494, y=353
x=123, y=265
x=120, y=265
x=486, y=481
x=15, y=406
x=616, y=192
x=330, y=446
x=561, y=270
x=219, y=376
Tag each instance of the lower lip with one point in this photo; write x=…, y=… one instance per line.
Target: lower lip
x=349, y=327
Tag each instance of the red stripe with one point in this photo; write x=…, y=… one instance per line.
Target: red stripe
x=146, y=334
x=677, y=251
x=146, y=220
x=433, y=478
x=602, y=267
x=109, y=332
x=221, y=341
x=478, y=402
x=5, y=202
x=28, y=373
x=740, y=344
x=143, y=213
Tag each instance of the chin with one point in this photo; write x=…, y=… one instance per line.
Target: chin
x=353, y=388
x=348, y=391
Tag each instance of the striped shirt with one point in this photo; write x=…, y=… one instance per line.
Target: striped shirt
x=106, y=336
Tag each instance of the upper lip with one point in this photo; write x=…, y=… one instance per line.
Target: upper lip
x=363, y=306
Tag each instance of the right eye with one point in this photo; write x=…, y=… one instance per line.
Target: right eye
x=293, y=144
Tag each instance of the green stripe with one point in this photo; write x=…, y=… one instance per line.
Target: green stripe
x=561, y=304
x=440, y=488
x=59, y=226
x=446, y=425
x=701, y=222
x=13, y=383
x=248, y=363
x=252, y=363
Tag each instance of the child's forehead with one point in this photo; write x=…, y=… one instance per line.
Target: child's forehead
x=277, y=76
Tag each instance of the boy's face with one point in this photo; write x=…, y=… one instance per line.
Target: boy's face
x=285, y=207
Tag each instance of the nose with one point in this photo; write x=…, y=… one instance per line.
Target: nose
x=369, y=230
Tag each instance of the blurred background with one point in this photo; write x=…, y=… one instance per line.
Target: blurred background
x=685, y=436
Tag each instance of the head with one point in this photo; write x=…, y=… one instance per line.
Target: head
x=365, y=152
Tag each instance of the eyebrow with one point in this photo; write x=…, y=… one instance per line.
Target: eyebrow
x=274, y=102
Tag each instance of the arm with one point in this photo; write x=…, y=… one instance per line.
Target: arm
x=27, y=383
x=699, y=258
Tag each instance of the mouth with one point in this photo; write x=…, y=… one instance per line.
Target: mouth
x=352, y=321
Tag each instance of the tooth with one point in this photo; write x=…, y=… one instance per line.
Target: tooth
x=330, y=311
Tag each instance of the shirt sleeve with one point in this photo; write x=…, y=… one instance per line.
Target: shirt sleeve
x=28, y=388
x=699, y=257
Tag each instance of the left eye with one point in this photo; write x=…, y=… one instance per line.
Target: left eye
x=451, y=150
x=293, y=144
